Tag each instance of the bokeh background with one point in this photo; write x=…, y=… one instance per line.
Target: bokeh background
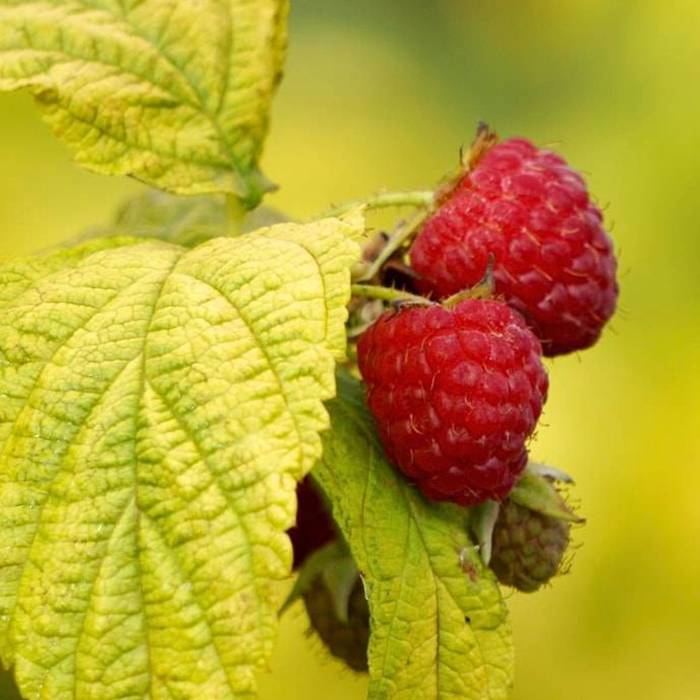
x=382, y=94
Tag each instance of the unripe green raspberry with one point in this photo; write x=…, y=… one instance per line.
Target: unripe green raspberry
x=528, y=547
x=345, y=640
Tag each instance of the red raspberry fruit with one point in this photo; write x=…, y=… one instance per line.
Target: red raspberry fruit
x=554, y=261
x=314, y=526
x=455, y=393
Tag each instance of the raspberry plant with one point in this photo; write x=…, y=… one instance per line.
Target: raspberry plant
x=167, y=381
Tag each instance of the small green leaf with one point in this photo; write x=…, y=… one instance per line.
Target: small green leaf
x=185, y=221
x=157, y=406
x=173, y=93
x=439, y=624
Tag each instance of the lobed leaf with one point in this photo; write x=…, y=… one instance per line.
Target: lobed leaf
x=157, y=406
x=439, y=624
x=173, y=92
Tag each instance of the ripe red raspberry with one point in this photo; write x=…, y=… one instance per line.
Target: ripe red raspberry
x=314, y=526
x=553, y=259
x=455, y=393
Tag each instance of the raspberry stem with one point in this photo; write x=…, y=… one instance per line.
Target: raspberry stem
x=400, y=237
x=371, y=291
x=384, y=200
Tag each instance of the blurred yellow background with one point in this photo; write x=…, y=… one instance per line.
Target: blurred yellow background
x=382, y=94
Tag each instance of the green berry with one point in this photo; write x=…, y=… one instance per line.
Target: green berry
x=528, y=547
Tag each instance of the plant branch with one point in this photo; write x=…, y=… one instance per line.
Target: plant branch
x=401, y=236
x=371, y=291
x=384, y=200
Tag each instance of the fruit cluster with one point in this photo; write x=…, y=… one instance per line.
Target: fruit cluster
x=457, y=385
x=513, y=264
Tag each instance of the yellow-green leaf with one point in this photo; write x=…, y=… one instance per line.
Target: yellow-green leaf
x=439, y=624
x=173, y=92
x=157, y=406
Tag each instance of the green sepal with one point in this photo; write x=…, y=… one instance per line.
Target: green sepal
x=482, y=520
x=538, y=493
x=340, y=579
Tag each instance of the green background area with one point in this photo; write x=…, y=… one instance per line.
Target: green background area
x=382, y=94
